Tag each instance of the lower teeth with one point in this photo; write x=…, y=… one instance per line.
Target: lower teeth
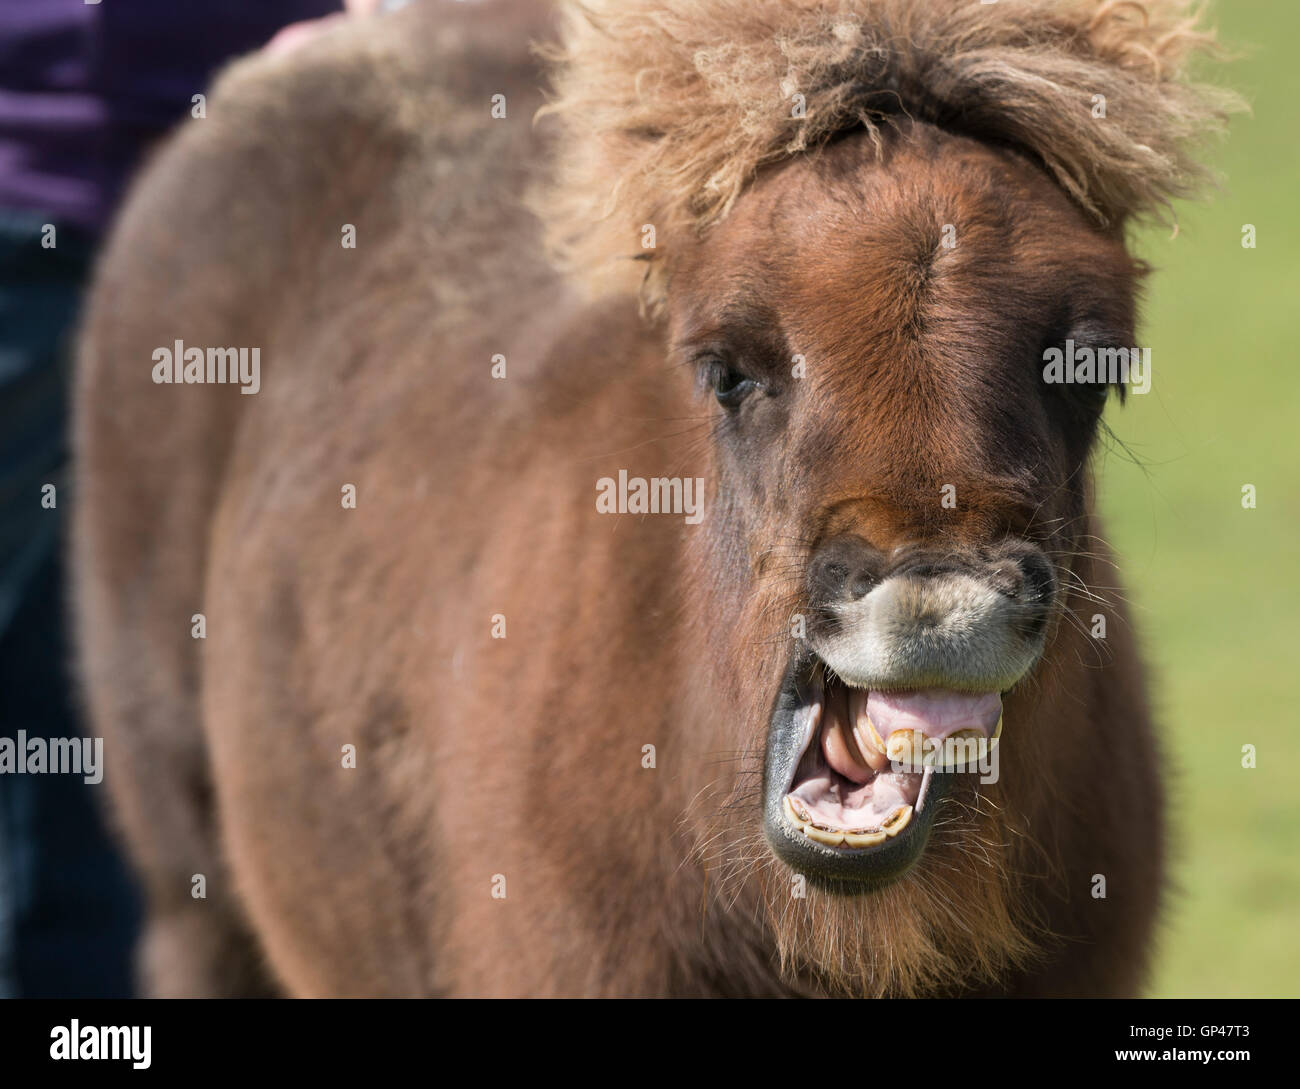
x=801, y=818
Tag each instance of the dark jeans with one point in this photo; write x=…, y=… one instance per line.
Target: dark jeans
x=68, y=910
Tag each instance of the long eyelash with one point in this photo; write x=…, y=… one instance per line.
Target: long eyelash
x=710, y=370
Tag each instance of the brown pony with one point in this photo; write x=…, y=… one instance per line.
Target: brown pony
x=741, y=626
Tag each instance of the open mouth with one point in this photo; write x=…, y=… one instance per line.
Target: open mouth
x=854, y=775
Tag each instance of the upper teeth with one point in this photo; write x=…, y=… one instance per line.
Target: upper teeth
x=958, y=750
x=866, y=731
x=902, y=744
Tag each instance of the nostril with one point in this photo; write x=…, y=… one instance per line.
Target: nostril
x=827, y=580
x=845, y=569
x=831, y=578
x=1007, y=578
x=1039, y=582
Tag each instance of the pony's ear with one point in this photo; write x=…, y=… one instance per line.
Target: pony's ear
x=663, y=110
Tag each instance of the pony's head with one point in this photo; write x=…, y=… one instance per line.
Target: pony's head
x=887, y=237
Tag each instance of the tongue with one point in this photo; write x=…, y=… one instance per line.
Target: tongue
x=934, y=712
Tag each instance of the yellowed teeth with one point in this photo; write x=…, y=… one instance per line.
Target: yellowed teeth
x=960, y=749
x=801, y=818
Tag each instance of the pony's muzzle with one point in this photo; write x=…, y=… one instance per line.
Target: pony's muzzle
x=971, y=621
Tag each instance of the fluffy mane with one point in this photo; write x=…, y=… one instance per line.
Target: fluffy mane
x=667, y=108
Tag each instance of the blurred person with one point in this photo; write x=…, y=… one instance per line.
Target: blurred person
x=85, y=89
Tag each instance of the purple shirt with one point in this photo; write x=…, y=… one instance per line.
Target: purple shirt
x=84, y=88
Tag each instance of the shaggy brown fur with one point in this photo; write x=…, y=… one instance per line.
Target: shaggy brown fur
x=330, y=627
x=669, y=107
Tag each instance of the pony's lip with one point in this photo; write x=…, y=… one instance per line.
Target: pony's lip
x=896, y=817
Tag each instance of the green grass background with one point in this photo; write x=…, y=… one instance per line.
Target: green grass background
x=1215, y=589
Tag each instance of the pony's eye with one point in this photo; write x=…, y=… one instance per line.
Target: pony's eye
x=729, y=385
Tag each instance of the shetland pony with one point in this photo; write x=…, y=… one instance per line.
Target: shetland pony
x=431, y=709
